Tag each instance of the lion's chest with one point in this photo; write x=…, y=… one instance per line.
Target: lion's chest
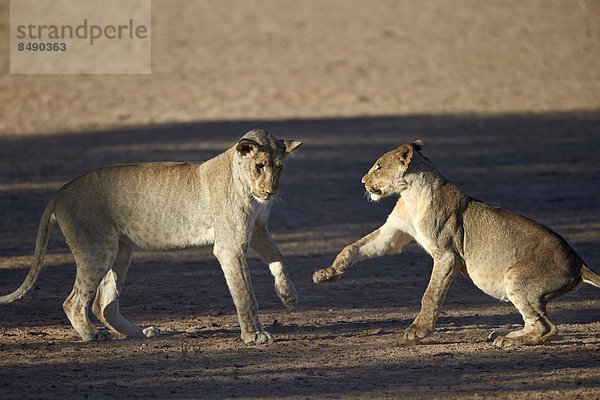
x=408, y=226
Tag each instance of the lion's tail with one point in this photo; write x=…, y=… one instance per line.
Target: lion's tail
x=589, y=276
x=41, y=242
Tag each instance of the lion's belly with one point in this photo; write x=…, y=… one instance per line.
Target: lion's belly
x=488, y=280
x=173, y=236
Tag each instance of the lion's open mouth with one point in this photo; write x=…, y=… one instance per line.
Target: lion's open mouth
x=374, y=194
x=377, y=192
x=264, y=196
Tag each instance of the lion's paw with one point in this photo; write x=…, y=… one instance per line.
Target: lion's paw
x=403, y=341
x=98, y=336
x=288, y=295
x=325, y=275
x=413, y=335
x=505, y=342
x=290, y=300
x=261, y=337
x=151, y=331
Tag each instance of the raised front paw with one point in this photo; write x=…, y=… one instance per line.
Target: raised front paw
x=326, y=275
x=261, y=337
x=287, y=293
x=413, y=335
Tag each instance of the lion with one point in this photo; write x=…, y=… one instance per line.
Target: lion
x=224, y=202
x=506, y=255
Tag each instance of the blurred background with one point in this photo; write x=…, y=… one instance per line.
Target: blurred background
x=274, y=59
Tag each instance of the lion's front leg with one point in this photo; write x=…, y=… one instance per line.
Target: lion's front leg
x=235, y=268
x=445, y=269
x=385, y=240
x=264, y=246
x=342, y=262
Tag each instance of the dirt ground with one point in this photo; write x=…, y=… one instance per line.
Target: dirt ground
x=341, y=341
x=505, y=95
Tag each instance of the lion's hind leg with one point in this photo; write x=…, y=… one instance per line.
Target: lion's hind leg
x=91, y=267
x=537, y=326
x=530, y=284
x=106, y=303
x=530, y=301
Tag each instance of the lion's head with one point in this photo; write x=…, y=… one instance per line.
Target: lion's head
x=386, y=176
x=260, y=160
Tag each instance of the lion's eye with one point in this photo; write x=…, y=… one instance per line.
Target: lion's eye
x=377, y=167
x=259, y=167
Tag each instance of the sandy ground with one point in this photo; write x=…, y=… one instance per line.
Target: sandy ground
x=223, y=60
x=341, y=341
x=506, y=96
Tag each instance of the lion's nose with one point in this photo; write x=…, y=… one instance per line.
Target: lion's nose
x=363, y=180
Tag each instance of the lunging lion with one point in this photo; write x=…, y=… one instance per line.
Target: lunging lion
x=506, y=255
x=108, y=212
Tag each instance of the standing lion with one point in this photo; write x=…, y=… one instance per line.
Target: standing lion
x=223, y=202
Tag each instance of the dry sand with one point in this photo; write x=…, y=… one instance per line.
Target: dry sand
x=224, y=60
x=506, y=96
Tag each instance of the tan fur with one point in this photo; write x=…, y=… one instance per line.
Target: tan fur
x=506, y=255
x=224, y=202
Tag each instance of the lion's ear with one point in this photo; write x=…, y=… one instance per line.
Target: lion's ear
x=291, y=145
x=404, y=154
x=418, y=145
x=246, y=147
